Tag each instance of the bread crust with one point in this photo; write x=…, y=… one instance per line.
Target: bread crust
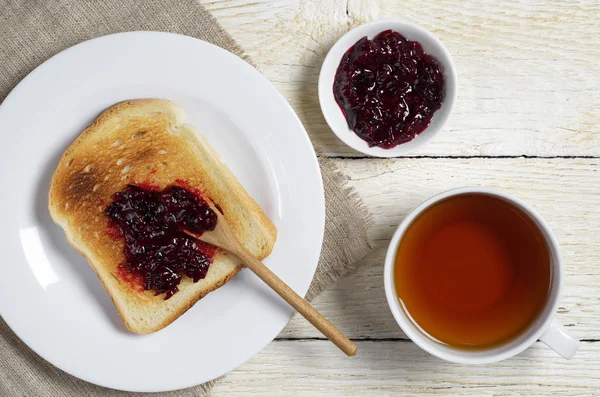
x=146, y=141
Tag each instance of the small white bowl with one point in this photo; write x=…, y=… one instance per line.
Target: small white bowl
x=431, y=45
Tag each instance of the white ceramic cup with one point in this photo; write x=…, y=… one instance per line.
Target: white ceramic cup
x=543, y=328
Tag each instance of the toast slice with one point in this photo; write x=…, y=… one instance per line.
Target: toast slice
x=137, y=142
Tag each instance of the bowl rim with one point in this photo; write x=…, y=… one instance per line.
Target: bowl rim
x=331, y=61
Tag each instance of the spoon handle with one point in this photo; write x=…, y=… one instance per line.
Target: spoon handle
x=297, y=302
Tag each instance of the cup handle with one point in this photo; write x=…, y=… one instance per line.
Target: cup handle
x=557, y=339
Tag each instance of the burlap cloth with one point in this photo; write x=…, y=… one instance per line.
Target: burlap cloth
x=31, y=32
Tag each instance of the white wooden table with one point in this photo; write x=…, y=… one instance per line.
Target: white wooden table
x=527, y=121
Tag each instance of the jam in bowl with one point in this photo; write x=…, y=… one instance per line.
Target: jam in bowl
x=387, y=87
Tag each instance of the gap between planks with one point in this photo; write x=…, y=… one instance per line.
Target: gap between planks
x=417, y=157
x=367, y=339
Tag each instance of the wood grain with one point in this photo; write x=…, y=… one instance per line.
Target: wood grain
x=529, y=72
x=566, y=192
x=529, y=85
x=399, y=368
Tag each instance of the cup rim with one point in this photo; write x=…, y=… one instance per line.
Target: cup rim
x=333, y=114
x=498, y=353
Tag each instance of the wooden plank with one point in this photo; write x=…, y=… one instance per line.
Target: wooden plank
x=529, y=76
x=315, y=368
x=565, y=192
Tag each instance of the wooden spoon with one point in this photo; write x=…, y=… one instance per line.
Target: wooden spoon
x=223, y=237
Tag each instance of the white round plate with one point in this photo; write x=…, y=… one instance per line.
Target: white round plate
x=49, y=295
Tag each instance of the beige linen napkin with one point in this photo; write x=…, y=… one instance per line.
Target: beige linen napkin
x=33, y=31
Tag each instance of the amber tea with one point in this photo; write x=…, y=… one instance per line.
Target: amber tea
x=473, y=271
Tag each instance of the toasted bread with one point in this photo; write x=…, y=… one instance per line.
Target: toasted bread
x=146, y=141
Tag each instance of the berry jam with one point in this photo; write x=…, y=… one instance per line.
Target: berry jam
x=388, y=89
x=157, y=251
